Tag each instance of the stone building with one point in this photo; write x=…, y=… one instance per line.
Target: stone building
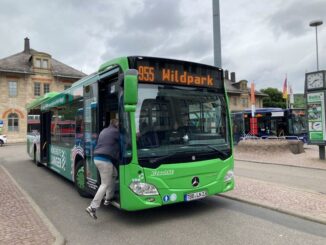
x=239, y=93
x=23, y=77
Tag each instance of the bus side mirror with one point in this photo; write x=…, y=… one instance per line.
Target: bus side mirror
x=130, y=96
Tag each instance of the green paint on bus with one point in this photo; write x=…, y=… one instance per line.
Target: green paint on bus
x=175, y=134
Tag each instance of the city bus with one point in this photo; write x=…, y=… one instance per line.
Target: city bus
x=158, y=164
x=288, y=123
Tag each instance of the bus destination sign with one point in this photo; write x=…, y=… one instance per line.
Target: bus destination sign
x=178, y=73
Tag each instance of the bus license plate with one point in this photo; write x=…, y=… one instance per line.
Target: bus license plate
x=195, y=195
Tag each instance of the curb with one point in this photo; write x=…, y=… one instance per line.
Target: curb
x=59, y=239
x=281, y=164
x=281, y=210
x=14, y=143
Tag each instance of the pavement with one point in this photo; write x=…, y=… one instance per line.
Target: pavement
x=303, y=203
x=23, y=222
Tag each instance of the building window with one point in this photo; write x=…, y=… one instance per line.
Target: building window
x=37, y=89
x=67, y=86
x=244, y=102
x=45, y=64
x=12, y=88
x=38, y=63
x=46, y=88
x=13, y=122
x=234, y=100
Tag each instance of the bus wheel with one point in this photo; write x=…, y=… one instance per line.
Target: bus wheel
x=80, y=181
x=1, y=143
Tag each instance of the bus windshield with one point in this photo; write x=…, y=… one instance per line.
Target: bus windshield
x=174, y=123
x=298, y=124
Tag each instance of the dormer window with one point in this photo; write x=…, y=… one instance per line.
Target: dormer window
x=42, y=62
x=243, y=85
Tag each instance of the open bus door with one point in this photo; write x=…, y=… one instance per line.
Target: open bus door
x=100, y=105
x=90, y=134
x=45, y=136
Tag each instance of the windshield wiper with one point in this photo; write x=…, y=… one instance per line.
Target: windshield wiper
x=224, y=154
x=158, y=159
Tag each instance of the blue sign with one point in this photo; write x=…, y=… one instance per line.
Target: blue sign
x=166, y=198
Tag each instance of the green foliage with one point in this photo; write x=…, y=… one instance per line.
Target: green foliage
x=299, y=101
x=274, y=98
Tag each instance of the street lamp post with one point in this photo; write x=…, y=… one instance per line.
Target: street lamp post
x=316, y=23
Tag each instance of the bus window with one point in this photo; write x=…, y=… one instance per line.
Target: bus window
x=160, y=108
x=33, y=124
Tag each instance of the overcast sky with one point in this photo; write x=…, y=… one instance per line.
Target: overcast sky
x=262, y=40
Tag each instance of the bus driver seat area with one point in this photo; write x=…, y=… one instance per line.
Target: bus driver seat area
x=147, y=136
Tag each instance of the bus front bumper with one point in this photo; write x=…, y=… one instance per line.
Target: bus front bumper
x=132, y=202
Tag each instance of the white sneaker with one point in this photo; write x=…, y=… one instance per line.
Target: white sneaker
x=106, y=202
x=92, y=212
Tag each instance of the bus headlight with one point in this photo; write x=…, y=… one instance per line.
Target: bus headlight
x=229, y=176
x=143, y=189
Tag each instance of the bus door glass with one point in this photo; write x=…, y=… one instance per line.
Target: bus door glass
x=45, y=135
x=90, y=132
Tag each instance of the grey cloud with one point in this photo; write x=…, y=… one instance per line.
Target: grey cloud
x=157, y=28
x=261, y=39
x=154, y=15
x=293, y=18
x=193, y=45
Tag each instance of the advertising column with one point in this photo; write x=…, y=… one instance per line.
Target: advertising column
x=316, y=117
x=315, y=87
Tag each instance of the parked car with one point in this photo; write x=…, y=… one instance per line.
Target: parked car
x=3, y=139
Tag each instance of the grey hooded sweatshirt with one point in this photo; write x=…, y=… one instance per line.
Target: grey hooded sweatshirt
x=108, y=143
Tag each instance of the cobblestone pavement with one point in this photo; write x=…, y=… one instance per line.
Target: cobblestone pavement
x=20, y=221
x=302, y=203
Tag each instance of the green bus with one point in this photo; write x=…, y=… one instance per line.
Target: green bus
x=159, y=165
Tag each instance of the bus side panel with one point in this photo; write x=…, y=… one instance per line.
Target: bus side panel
x=60, y=160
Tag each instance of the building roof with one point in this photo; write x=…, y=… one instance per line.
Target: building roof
x=22, y=63
x=233, y=88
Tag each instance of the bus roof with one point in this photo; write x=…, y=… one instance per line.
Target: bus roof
x=37, y=102
x=264, y=110
x=124, y=63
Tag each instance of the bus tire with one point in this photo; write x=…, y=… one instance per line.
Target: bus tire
x=1, y=143
x=80, y=180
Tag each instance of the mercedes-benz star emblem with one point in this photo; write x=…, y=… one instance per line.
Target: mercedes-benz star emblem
x=195, y=181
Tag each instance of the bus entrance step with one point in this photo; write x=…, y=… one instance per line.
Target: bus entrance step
x=115, y=203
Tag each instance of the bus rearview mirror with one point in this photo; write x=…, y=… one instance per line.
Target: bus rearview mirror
x=130, y=90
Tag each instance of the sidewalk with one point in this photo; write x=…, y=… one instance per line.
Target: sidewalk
x=21, y=220
x=301, y=203
x=308, y=159
x=305, y=204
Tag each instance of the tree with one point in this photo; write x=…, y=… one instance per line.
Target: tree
x=299, y=101
x=274, y=99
